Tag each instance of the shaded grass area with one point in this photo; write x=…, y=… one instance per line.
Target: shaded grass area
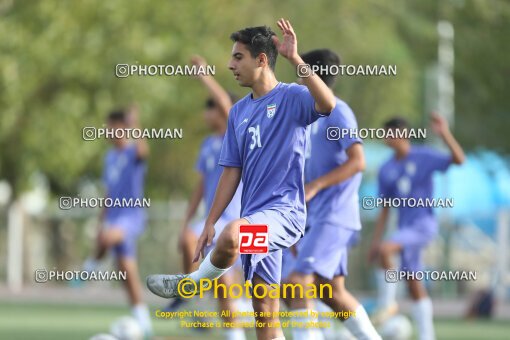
x=66, y=321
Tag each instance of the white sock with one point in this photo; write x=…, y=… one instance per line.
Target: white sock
x=327, y=332
x=386, y=291
x=422, y=314
x=360, y=326
x=141, y=313
x=235, y=334
x=90, y=265
x=305, y=333
x=322, y=307
x=207, y=270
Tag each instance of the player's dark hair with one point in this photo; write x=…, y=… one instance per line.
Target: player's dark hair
x=117, y=116
x=323, y=57
x=396, y=123
x=258, y=40
x=211, y=103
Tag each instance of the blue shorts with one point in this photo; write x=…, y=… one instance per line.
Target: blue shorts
x=413, y=240
x=324, y=251
x=132, y=227
x=282, y=235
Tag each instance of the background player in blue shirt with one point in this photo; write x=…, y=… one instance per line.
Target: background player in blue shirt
x=265, y=145
x=408, y=174
x=124, y=175
x=333, y=171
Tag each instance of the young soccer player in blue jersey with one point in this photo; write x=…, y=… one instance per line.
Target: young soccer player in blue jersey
x=264, y=145
x=333, y=175
x=124, y=174
x=408, y=174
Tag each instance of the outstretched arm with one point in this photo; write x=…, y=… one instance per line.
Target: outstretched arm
x=440, y=126
x=216, y=91
x=324, y=98
x=142, y=147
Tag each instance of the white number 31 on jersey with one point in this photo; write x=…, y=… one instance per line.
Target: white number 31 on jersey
x=255, y=137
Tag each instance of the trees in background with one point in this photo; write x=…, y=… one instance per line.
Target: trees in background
x=58, y=58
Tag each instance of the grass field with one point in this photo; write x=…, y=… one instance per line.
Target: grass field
x=23, y=321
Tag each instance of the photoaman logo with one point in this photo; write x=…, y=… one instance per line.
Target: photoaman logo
x=253, y=239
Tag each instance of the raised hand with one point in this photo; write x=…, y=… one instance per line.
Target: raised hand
x=438, y=124
x=288, y=47
x=198, y=61
x=133, y=114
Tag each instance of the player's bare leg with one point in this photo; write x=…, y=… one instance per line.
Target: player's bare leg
x=108, y=239
x=111, y=237
x=225, y=254
x=224, y=303
x=188, y=243
x=105, y=240
x=387, y=251
x=100, y=251
x=301, y=304
x=132, y=283
x=341, y=299
x=228, y=304
x=355, y=317
x=134, y=290
x=416, y=290
x=298, y=302
x=268, y=306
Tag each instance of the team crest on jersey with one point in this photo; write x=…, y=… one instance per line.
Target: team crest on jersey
x=271, y=110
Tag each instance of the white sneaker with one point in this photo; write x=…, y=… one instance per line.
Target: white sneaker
x=167, y=286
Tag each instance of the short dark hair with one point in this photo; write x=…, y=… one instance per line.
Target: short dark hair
x=211, y=103
x=117, y=116
x=396, y=123
x=258, y=40
x=323, y=57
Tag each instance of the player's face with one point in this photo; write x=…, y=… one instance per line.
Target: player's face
x=212, y=117
x=115, y=125
x=245, y=68
x=394, y=143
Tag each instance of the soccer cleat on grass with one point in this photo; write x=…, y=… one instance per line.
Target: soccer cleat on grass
x=166, y=286
x=172, y=286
